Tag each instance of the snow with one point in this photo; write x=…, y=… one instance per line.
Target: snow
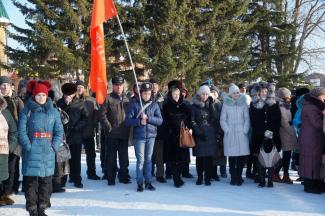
x=97, y=198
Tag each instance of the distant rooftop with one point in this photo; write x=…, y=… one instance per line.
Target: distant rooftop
x=4, y=18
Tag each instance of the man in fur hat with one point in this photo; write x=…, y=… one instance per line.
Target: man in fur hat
x=78, y=116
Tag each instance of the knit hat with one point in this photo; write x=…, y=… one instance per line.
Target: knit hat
x=5, y=79
x=204, y=90
x=318, y=91
x=153, y=81
x=36, y=87
x=284, y=93
x=233, y=89
x=69, y=88
x=214, y=88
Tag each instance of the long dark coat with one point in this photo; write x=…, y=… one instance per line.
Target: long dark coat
x=174, y=113
x=266, y=118
x=312, y=139
x=204, y=124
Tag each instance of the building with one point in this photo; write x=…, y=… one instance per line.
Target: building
x=316, y=79
x=4, y=22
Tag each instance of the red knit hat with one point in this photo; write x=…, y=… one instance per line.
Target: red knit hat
x=38, y=87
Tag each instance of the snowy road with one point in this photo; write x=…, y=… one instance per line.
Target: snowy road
x=218, y=199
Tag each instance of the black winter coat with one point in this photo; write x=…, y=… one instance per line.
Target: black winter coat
x=266, y=118
x=204, y=122
x=78, y=117
x=112, y=116
x=174, y=113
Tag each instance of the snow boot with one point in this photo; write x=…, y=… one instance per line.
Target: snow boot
x=140, y=188
x=33, y=212
x=149, y=186
x=2, y=202
x=8, y=200
x=41, y=212
x=286, y=179
x=199, y=180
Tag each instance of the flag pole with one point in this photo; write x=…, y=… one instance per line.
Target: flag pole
x=131, y=61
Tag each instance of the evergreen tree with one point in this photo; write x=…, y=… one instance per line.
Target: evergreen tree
x=56, y=40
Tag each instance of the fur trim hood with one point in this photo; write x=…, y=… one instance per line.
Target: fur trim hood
x=3, y=103
x=242, y=100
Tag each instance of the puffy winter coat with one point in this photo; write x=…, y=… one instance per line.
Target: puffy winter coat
x=6, y=116
x=154, y=119
x=204, y=124
x=312, y=139
x=112, y=116
x=287, y=131
x=235, y=124
x=40, y=133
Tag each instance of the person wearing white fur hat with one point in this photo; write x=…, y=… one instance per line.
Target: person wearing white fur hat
x=204, y=121
x=235, y=123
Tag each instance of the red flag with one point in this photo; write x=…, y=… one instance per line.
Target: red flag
x=102, y=11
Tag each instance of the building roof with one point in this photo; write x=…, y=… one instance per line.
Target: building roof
x=4, y=18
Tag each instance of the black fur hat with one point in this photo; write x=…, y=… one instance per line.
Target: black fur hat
x=69, y=88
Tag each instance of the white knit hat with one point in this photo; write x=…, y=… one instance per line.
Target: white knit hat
x=204, y=90
x=233, y=88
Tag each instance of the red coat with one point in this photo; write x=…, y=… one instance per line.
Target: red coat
x=312, y=138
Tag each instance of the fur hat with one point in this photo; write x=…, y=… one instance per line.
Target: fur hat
x=36, y=87
x=204, y=90
x=117, y=80
x=69, y=88
x=233, y=89
x=146, y=86
x=176, y=84
x=5, y=79
x=284, y=93
x=318, y=91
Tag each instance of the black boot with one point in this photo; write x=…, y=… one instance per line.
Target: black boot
x=149, y=186
x=311, y=186
x=262, y=177
x=269, y=177
x=41, y=212
x=140, y=188
x=33, y=212
x=199, y=180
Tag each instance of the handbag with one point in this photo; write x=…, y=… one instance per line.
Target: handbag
x=186, y=139
x=63, y=154
x=269, y=160
x=322, y=168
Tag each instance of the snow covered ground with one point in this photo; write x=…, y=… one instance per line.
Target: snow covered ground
x=97, y=198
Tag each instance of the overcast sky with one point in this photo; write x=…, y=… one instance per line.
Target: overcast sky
x=317, y=40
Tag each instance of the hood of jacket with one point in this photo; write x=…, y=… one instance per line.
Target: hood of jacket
x=198, y=102
x=231, y=102
x=35, y=107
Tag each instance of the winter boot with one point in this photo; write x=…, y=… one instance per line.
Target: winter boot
x=93, y=176
x=270, y=176
x=8, y=200
x=140, y=187
x=33, y=212
x=41, y=212
x=149, y=186
x=310, y=186
x=276, y=178
x=2, y=202
x=199, y=180
x=286, y=179
x=262, y=177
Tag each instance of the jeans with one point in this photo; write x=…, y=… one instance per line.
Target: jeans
x=143, y=151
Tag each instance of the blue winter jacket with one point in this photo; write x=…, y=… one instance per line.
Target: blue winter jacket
x=38, y=157
x=154, y=120
x=297, y=118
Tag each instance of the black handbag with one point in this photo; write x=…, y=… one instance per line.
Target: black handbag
x=63, y=154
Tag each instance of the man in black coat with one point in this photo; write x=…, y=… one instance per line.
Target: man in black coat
x=88, y=132
x=78, y=116
x=112, y=117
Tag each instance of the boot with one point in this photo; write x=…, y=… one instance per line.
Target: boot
x=286, y=179
x=93, y=177
x=33, y=212
x=199, y=180
x=276, y=178
x=140, y=187
x=270, y=176
x=41, y=212
x=310, y=186
x=149, y=186
x=2, y=202
x=262, y=177
x=8, y=200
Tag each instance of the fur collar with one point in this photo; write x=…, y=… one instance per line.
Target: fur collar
x=172, y=101
x=231, y=102
x=35, y=107
x=3, y=103
x=198, y=102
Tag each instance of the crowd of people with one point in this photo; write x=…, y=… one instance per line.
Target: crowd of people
x=246, y=126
